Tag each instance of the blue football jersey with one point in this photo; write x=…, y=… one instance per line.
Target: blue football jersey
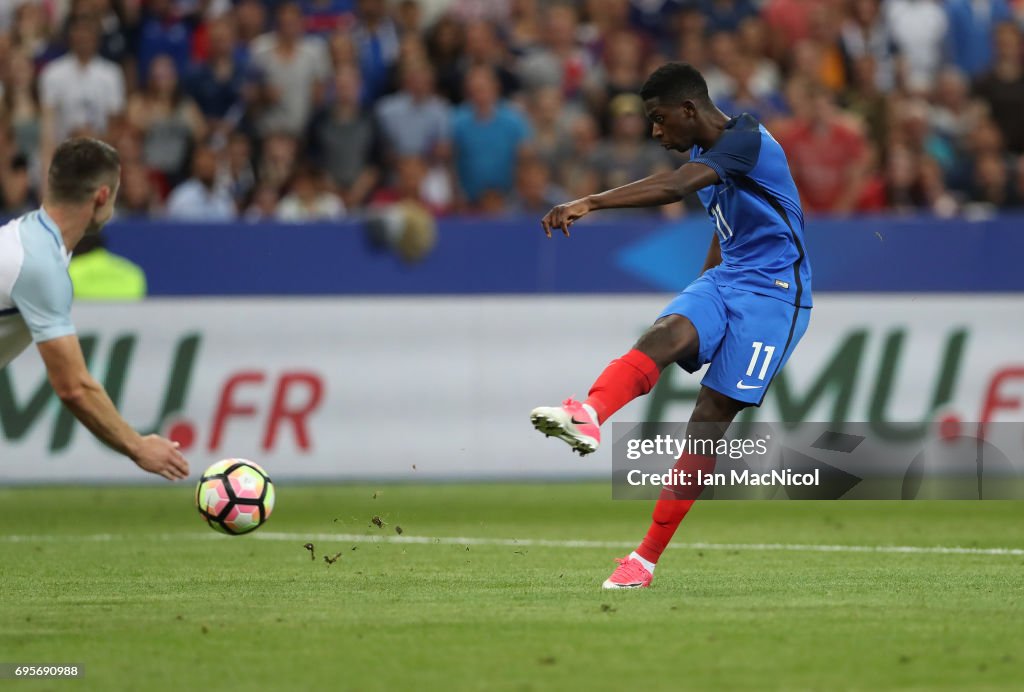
x=756, y=211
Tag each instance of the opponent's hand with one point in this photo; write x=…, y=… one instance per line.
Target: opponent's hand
x=162, y=457
x=564, y=215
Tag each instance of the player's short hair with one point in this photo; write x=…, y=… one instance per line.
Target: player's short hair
x=79, y=167
x=675, y=82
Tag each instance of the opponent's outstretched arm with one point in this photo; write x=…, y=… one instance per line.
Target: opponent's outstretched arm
x=652, y=191
x=67, y=372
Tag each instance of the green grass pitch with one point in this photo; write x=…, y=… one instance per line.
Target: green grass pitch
x=130, y=583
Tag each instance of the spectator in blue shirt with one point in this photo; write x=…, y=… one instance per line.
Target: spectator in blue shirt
x=324, y=17
x=216, y=83
x=972, y=32
x=415, y=121
x=655, y=17
x=488, y=135
x=202, y=197
x=377, y=41
x=162, y=32
x=726, y=15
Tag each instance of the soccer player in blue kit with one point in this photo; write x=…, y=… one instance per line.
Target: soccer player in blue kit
x=744, y=314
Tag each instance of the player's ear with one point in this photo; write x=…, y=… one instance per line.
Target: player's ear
x=102, y=196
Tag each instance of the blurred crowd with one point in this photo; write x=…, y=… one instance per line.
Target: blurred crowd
x=318, y=109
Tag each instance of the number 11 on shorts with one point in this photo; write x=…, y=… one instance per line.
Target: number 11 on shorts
x=769, y=351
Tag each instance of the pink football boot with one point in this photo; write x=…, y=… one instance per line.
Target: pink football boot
x=571, y=422
x=630, y=574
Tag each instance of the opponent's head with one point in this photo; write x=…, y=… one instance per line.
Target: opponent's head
x=85, y=175
x=675, y=96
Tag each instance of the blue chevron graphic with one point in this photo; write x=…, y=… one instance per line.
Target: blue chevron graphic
x=670, y=256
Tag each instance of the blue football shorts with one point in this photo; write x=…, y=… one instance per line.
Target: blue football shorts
x=745, y=336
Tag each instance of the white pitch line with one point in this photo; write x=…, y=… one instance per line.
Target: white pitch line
x=544, y=543
x=518, y=542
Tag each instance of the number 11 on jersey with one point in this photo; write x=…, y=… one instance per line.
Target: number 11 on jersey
x=769, y=351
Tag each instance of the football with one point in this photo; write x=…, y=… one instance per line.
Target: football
x=235, y=496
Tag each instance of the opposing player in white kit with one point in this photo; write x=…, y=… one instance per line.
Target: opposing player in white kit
x=35, y=296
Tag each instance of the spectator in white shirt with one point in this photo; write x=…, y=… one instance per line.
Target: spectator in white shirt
x=80, y=92
x=560, y=60
x=201, y=198
x=918, y=28
x=309, y=199
x=294, y=69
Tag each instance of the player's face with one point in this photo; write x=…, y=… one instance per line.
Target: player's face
x=672, y=126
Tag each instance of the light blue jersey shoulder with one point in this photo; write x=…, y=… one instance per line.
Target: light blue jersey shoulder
x=35, y=289
x=757, y=215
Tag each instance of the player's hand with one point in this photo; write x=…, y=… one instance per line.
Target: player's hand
x=162, y=457
x=564, y=215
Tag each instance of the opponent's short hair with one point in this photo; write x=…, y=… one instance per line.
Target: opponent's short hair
x=79, y=167
x=675, y=82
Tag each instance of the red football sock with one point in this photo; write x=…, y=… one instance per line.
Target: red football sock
x=672, y=506
x=625, y=378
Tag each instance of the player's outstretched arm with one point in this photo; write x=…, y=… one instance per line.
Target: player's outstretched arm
x=86, y=398
x=652, y=191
